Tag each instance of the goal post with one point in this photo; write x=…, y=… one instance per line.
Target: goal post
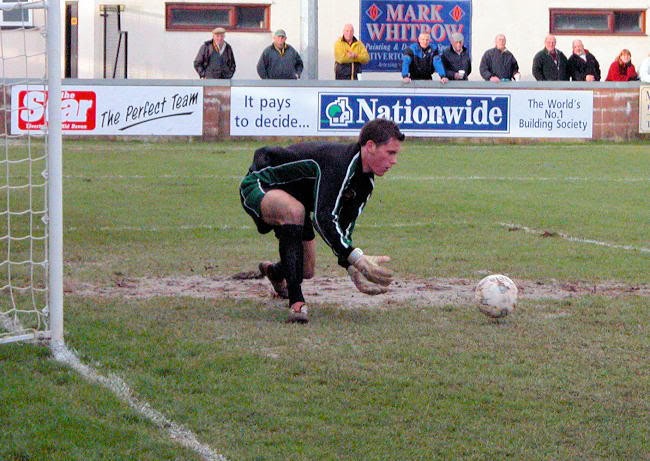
x=31, y=209
x=55, y=171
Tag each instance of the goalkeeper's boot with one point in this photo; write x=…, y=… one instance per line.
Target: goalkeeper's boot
x=279, y=285
x=298, y=313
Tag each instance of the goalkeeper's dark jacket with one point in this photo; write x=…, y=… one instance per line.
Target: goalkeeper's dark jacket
x=327, y=178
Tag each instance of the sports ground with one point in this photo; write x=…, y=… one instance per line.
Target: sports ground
x=178, y=350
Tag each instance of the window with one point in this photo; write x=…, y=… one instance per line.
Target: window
x=597, y=22
x=207, y=16
x=15, y=17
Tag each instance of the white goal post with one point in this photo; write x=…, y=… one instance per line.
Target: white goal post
x=31, y=211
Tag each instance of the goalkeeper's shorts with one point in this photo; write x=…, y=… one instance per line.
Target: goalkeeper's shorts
x=251, y=193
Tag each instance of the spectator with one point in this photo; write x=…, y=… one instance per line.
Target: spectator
x=550, y=63
x=349, y=54
x=644, y=70
x=456, y=59
x=582, y=65
x=622, y=69
x=498, y=63
x=215, y=58
x=420, y=61
x=279, y=60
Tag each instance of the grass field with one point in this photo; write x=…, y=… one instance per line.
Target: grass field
x=559, y=379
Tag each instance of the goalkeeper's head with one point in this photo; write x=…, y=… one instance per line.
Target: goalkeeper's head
x=380, y=141
x=380, y=131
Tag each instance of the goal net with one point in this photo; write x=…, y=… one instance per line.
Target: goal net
x=31, y=289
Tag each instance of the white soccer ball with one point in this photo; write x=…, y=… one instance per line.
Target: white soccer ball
x=496, y=295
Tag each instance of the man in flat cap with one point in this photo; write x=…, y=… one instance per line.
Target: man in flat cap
x=279, y=60
x=215, y=58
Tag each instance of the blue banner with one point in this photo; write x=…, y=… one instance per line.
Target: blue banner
x=417, y=112
x=387, y=27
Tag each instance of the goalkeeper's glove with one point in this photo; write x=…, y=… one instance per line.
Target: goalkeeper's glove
x=363, y=285
x=370, y=267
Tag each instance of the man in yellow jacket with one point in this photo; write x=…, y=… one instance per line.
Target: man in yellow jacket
x=349, y=54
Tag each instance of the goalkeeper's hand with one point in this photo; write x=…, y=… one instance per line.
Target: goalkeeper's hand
x=371, y=268
x=363, y=285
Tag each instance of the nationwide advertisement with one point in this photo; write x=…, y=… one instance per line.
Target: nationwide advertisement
x=112, y=110
x=387, y=27
x=419, y=112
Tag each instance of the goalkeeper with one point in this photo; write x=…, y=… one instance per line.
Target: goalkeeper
x=322, y=186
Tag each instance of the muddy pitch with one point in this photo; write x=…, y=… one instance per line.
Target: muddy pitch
x=341, y=291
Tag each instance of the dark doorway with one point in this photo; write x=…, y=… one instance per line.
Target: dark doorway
x=71, y=39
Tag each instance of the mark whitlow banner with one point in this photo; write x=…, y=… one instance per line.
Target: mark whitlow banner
x=387, y=27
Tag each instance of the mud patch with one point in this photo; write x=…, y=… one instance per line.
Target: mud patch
x=341, y=291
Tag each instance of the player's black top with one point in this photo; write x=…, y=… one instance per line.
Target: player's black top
x=327, y=178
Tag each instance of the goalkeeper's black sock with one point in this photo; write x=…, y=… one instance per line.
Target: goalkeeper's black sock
x=291, y=257
x=275, y=271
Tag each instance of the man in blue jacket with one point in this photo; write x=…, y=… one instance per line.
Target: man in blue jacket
x=420, y=61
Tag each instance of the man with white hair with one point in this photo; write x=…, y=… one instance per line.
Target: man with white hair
x=583, y=66
x=456, y=58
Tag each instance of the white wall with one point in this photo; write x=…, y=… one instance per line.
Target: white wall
x=156, y=53
x=526, y=24
x=23, y=51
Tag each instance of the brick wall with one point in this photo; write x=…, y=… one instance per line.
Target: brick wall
x=616, y=114
x=216, y=112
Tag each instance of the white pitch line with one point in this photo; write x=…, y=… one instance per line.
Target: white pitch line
x=515, y=178
x=577, y=239
x=116, y=385
x=389, y=178
x=227, y=227
x=159, y=176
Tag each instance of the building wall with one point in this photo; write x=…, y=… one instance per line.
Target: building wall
x=16, y=44
x=156, y=53
x=526, y=24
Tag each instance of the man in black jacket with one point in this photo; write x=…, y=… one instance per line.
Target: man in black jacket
x=550, y=63
x=279, y=60
x=456, y=59
x=215, y=58
x=332, y=182
x=583, y=66
x=498, y=63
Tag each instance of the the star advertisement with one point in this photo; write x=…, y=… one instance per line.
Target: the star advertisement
x=111, y=110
